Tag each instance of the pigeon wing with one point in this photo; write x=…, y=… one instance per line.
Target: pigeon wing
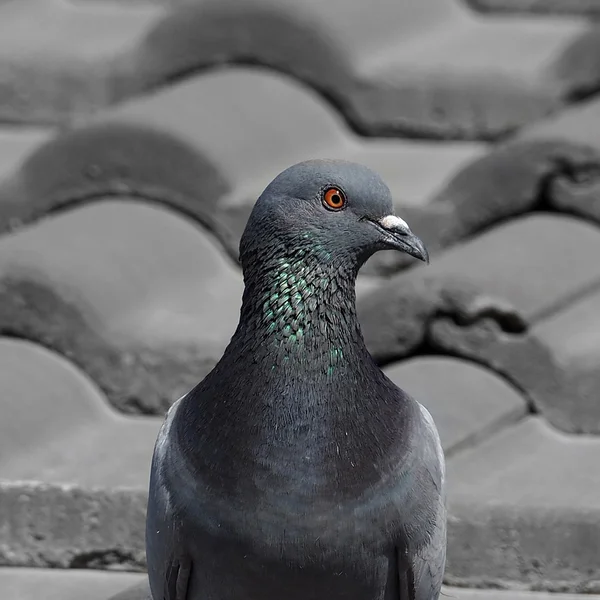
x=168, y=564
x=423, y=578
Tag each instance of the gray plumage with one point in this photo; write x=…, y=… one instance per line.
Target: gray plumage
x=296, y=469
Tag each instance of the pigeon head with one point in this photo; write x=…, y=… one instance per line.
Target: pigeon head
x=337, y=211
x=308, y=235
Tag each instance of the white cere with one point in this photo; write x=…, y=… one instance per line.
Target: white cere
x=394, y=222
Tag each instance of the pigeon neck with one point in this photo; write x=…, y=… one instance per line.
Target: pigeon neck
x=300, y=304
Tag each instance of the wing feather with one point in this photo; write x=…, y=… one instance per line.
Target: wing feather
x=425, y=573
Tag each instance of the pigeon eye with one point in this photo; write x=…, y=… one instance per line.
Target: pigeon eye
x=334, y=198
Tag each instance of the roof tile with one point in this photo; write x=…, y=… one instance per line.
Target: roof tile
x=59, y=59
x=573, y=336
x=383, y=66
x=146, y=322
x=376, y=62
x=59, y=428
x=56, y=584
x=467, y=402
x=591, y=7
x=511, y=521
x=68, y=526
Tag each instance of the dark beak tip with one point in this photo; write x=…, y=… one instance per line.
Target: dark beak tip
x=419, y=250
x=423, y=257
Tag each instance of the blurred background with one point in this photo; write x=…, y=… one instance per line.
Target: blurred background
x=135, y=137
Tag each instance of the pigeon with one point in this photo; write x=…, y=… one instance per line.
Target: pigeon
x=296, y=469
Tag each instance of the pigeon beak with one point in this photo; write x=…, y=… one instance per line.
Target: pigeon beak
x=397, y=235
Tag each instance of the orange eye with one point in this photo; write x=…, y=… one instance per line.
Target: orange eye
x=334, y=198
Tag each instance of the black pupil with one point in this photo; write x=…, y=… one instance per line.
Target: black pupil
x=336, y=199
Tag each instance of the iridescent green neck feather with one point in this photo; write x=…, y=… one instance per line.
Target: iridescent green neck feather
x=299, y=305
